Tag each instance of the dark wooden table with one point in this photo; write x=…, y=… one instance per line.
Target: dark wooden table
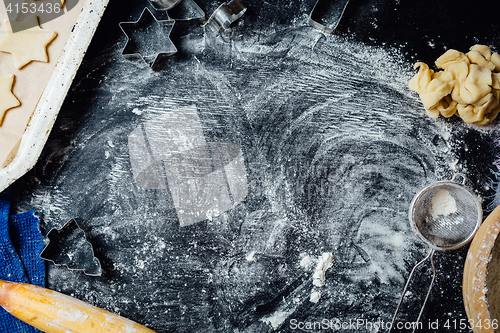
x=334, y=146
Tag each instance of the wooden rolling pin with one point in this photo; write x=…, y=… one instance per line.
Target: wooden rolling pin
x=53, y=312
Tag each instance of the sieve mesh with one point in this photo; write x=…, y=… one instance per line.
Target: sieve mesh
x=446, y=231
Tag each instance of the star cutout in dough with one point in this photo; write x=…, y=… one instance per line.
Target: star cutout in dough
x=7, y=98
x=28, y=42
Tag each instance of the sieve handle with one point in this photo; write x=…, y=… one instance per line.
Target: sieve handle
x=431, y=256
x=459, y=175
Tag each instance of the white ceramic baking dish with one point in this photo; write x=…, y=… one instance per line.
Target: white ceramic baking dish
x=53, y=96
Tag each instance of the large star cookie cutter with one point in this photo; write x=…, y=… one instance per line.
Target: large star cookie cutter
x=148, y=38
x=70, y=247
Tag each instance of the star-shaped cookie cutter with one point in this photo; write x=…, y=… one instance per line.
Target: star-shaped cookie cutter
x=148, y=38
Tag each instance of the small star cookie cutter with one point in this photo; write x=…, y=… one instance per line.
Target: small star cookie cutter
x=148, y=38
x=226, y=14
x=70, y=247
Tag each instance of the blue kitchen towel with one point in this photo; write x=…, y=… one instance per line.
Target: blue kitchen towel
x=20, y=246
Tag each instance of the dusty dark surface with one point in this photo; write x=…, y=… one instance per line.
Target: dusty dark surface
x=334, y=144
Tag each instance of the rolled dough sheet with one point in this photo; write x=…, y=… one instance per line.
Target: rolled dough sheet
x=32, y=79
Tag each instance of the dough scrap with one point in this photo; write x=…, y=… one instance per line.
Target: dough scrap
x=28, y=43
x=468, y=85
x=7, y=99
x=324, y=263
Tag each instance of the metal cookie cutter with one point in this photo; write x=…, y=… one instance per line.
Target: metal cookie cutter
x=180, y=10
x=148, y=38
x=326, y=15
x=70, y=247
x=164, y=4
x=226, y=14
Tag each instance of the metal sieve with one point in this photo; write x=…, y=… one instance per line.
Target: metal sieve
x=449, y=226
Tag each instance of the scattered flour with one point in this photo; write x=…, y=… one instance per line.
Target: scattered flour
x=276, y=319
x=315, y=296
x=344, y=71
x=306, y=262
x=250, y=256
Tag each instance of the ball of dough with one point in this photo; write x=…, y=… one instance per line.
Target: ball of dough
x=467, y=85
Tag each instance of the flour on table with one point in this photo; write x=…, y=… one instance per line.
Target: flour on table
x=367, y=115
x=315, y=296
x=276, y=319
x=306, y=262
x=250, y=256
